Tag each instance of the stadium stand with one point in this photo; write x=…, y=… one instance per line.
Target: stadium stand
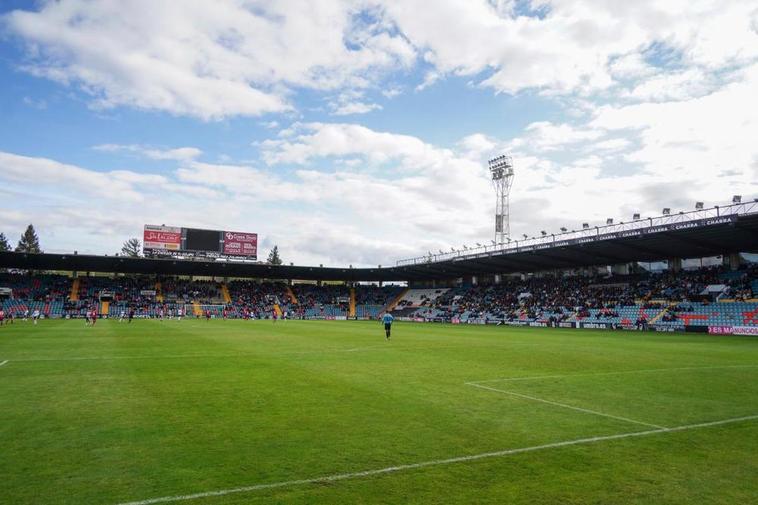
x=693, y=300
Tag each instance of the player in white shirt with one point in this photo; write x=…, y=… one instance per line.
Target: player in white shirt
x=121, y=316
x=35, y=315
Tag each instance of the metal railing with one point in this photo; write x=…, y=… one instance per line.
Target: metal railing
x=668, y=222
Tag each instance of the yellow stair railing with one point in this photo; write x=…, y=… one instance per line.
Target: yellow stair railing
x=225, y=293
x=292, y=296
x=74, y=296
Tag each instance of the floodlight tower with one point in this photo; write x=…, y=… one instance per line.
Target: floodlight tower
x=501, y=169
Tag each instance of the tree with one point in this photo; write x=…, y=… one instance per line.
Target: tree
x=273, y=256
x=132, y=248
x=4, y=244
x=29, y=241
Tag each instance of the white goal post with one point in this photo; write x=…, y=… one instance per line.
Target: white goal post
x=216, y=310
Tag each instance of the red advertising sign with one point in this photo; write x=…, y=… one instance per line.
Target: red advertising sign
x=162, y=237
x=240, y=244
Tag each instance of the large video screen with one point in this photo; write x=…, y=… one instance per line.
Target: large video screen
x=202, y=240
x=162, y=240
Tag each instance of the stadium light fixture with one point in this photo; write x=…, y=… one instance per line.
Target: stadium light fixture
x=609, y=220
x=465, y=247
x=737, y=199
x=543, y=232
x=585, y=226
x=699, y=205
x=478, y=244
x=525, y=236
x=493, y=242
x=563, y=229
x=441, y=252
x=636, y=216
x=666, y=211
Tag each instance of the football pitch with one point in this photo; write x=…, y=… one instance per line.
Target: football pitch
x=236, y=412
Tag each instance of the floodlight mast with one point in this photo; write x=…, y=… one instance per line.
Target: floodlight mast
x=501, y=169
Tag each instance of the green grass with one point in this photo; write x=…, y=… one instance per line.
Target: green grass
x=120, y=412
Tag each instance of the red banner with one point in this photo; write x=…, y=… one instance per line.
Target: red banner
x=162, y=237
x=241, y=244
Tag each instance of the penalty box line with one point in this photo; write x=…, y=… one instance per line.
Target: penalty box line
x=565, y=406
x=622, y=372
x=437, y=462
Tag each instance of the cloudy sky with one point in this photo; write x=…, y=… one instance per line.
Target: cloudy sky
x=358, y=132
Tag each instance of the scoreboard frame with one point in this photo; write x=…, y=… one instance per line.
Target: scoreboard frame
x=171, y=241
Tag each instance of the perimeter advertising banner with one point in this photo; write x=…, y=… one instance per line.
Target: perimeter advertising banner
x=241, y=244
x=165, y=238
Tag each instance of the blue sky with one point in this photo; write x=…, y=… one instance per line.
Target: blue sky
x=358, y=132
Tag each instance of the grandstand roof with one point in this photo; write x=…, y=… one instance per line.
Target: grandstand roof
x=708, y=237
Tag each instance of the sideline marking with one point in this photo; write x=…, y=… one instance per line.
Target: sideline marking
x=437, y=462
x=580, y=409
x=4, y=362
x=644, y=370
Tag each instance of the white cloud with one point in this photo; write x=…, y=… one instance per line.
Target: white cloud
x=683, y=85
x=206, y=59
x=546, y=136
x=35, y=104
x=225, y=58
x=42, y=173
x=347, y=109
x=177, y=154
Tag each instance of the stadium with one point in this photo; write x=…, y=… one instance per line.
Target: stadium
x=615, y=362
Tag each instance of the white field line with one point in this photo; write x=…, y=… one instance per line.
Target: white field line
x=565, y=406
x=644, y=370
x=4, y=362
x=437, y=462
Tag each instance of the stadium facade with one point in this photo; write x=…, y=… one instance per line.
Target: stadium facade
x=726, y=231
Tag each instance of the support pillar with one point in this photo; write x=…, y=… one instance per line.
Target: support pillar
x=733, y=260
x=622, y=269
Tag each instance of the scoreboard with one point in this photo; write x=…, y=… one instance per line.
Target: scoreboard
x=162, y=240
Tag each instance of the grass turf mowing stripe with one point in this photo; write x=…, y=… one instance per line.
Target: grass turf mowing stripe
x=424, y=464
x=644, y=370
x=565, y=406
